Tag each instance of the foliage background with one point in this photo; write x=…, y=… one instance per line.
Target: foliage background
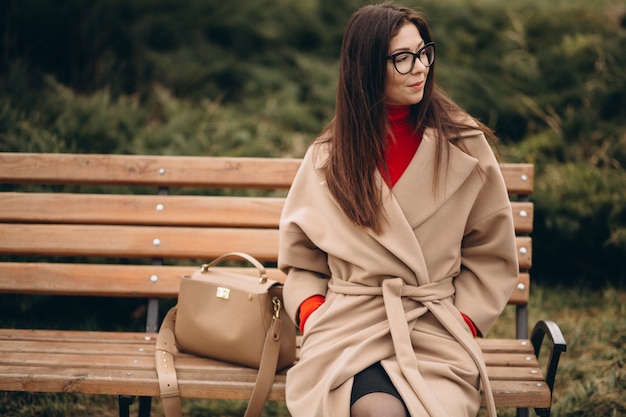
x=258, y=78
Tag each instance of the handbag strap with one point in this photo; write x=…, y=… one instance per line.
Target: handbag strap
x=267, y=370
x=166, y=372
x=258, y=265
x=168, y=382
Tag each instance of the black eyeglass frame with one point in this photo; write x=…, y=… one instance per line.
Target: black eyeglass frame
x=416, y=56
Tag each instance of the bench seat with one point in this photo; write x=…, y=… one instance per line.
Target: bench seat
x=122, y=363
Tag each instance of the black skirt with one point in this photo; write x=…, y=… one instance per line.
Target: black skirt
x=370, y=380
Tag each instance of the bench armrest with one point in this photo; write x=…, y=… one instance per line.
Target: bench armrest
x=557, y=346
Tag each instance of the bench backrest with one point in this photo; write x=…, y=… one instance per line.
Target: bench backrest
x=99, y=211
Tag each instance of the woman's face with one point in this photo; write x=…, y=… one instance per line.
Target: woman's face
x=408, y=88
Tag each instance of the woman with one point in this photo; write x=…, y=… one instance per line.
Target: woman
x=396, y=237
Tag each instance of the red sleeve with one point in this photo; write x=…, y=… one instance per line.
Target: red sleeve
x=307, y=307
x=470, y=324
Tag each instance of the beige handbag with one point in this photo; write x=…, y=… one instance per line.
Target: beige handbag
x=230, y=317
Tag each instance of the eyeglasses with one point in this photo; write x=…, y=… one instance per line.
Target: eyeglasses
x=405, y=61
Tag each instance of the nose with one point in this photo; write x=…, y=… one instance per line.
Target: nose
x=418, y=67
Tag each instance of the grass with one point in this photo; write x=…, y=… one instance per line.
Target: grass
x=591, y=381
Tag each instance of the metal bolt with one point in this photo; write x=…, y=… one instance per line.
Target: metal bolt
x=523, y=251
x=147, y=338
x=523, y=213
x=156, y=242
x=524, y=177
x=521, y=287
x=524, y=342
x=162, y=171
x=129, y=373
x=539, y=384
x=534, y=371
x=528, y=358
x=159, y=207
x=154, y=278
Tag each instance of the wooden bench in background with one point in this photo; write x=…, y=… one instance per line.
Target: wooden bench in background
x=69, y=240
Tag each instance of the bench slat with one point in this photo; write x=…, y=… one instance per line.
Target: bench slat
x=520, y=394
x=173, y=171
x=140, y=209
x=76, y=336
x=510, y=359
x=524, y=252
x=512, y=373
x=145, y=362
x=86, y=279
x=519, y=178
x=139, y=355
x=492, y=345
x=521, y=293
x=523, y=216
x=168, y=171
x=165, y=210
x=159, y=242
x=136, y=241
x=161, y=281
x=196, y=385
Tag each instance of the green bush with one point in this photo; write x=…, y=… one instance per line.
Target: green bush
x=581, y=221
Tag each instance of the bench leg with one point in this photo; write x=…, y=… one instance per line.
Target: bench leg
x=145, y=405
x=125, y=401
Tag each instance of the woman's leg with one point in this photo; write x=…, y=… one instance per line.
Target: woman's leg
x=373, y=394
x=378, y=404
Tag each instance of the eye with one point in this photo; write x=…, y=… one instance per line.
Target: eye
x=403, y=57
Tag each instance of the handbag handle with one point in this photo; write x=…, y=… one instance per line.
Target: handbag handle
x=262, y=274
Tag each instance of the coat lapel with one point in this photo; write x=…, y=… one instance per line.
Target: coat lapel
x=403, y=208
x=414, y=191
x=406, y=211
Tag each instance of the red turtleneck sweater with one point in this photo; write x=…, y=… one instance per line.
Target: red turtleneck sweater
x=402, y=145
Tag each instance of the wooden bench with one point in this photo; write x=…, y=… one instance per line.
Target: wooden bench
x=59, y=237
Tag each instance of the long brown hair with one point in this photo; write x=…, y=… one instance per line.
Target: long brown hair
x=357, y=135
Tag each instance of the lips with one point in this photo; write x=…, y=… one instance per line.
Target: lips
x=417, y=85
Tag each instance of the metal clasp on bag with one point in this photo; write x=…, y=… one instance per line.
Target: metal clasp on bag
x=223, y=293
x=277, y=304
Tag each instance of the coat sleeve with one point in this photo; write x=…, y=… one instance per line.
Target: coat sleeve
x=489, y=266
x=299, y=258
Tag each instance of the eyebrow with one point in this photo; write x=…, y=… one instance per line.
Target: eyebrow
x=398, y=50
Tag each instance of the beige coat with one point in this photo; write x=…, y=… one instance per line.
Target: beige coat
x=397, y=297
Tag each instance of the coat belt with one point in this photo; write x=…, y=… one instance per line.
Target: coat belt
x=434, y=297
